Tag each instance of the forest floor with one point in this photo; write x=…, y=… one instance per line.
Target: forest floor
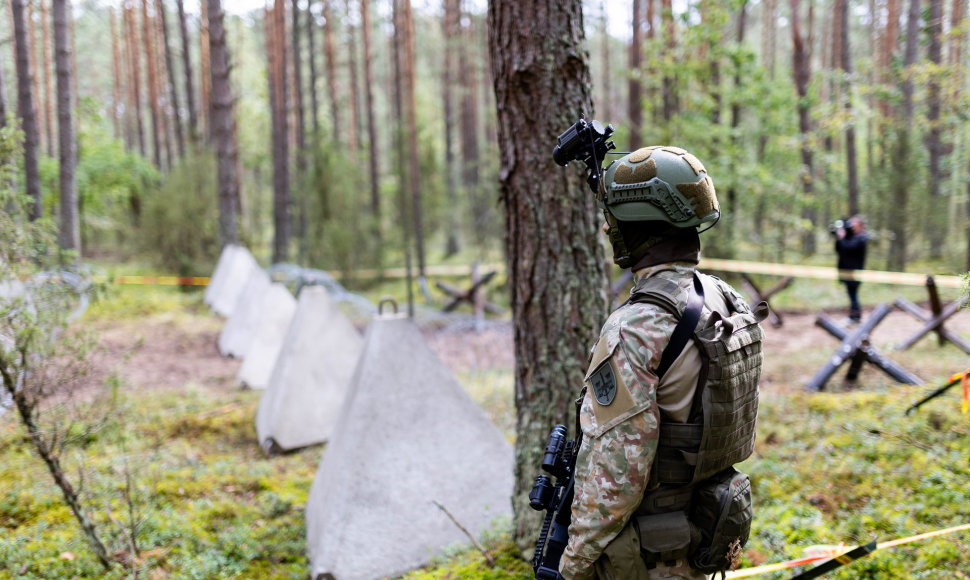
x=839, y=466
x=169, y=351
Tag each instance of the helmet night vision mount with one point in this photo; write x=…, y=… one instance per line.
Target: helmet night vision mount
x=587, y=142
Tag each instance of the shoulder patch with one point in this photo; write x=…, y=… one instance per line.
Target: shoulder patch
x=603, y=383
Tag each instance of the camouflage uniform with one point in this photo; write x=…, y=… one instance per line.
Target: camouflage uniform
x=620, y=438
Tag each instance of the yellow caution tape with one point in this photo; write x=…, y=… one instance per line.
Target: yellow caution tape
x=826, y=273
x=156, y=280
x=822, y=555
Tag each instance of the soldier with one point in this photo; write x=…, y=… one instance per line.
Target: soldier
x=629, y=469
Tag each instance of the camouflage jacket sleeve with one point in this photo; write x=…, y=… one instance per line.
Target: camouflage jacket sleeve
x=620, y=421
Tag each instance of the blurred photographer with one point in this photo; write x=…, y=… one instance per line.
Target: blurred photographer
x=850, y=245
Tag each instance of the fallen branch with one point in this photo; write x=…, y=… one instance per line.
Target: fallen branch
x=481, y=548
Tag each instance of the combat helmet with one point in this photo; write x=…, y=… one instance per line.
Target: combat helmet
x=660, y=185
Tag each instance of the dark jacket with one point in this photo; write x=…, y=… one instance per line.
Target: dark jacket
x=852, y=252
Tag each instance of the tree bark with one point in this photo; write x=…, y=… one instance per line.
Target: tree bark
x=281, y=154
x=902, y=161
x=331, y=64
x=634, y=86
x=187, y=70
x=670, y=98
x=115, y=76
x=204, y=65
x=801, y=68
x=557, y=275
x=70, y=230
x=375, y=200
x=353, y=138
x=936, y=225
x=152, y=84
x=450, y=25
x=470, y=151
x=3, y=100
x=850, y=151
x=25, y=107
x=300, y=129
x=223, y=125
x=133, y=54
x=45, y=43
x=170, y=80
x=312, y=54
x=414, y=173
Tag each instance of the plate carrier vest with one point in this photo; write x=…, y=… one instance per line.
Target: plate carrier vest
x=721, y=427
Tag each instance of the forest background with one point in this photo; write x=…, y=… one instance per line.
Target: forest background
x=804, y=112
x=351, y=136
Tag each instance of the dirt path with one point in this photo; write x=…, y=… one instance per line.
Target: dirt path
x=169, y=351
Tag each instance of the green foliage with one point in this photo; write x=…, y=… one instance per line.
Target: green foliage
x=340, y=229
x=850, y=467
x=179, y=225
x=110, y=184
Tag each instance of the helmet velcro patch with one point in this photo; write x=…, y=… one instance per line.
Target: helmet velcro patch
x=674, y=150
x=702, y=194
x=642, y=172
x=695, y=163
x=641, y=154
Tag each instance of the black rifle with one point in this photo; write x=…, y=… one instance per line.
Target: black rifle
x=559, y=460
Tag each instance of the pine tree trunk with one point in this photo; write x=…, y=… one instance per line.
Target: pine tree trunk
x=606, y=72
x=850, y=152
x=732, y=194
x=298, y=92
x=902, y=161
x=70, y=230
x=331, y=64
x=223, y=125
x=634, y=86
x=187, y=70
x=3, y=100
x=471, y=157
x=801, y=67
x=936, y=225
x=281, y=153
x=450, y=25
x=133, y=53
x=670, y=98
x=206, y=76
x=375, y=200
x=353, y=139
x=170, y=80
x=152, y=84
x=557, y=275
x=115, y=76
x=312, y=54
x=45, y=41
x=25, y=107
x=414, y=172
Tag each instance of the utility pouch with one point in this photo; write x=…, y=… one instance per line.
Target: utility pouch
x=664, y=536
x=621, y=559
x=722, y=511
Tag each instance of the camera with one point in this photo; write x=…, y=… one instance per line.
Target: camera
x=842, y=224
x=587, y=142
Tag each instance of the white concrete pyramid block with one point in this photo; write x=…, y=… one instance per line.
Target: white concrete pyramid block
x=229, y=279
x=275, y=314
x=408, y=436
x=238, y=333
x=311, y=377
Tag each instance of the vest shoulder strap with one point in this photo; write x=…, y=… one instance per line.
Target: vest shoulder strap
x=661, y=293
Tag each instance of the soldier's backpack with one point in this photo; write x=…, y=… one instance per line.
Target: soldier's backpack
x=697, y=457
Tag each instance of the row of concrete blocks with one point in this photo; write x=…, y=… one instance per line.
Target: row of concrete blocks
x=403, y=437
